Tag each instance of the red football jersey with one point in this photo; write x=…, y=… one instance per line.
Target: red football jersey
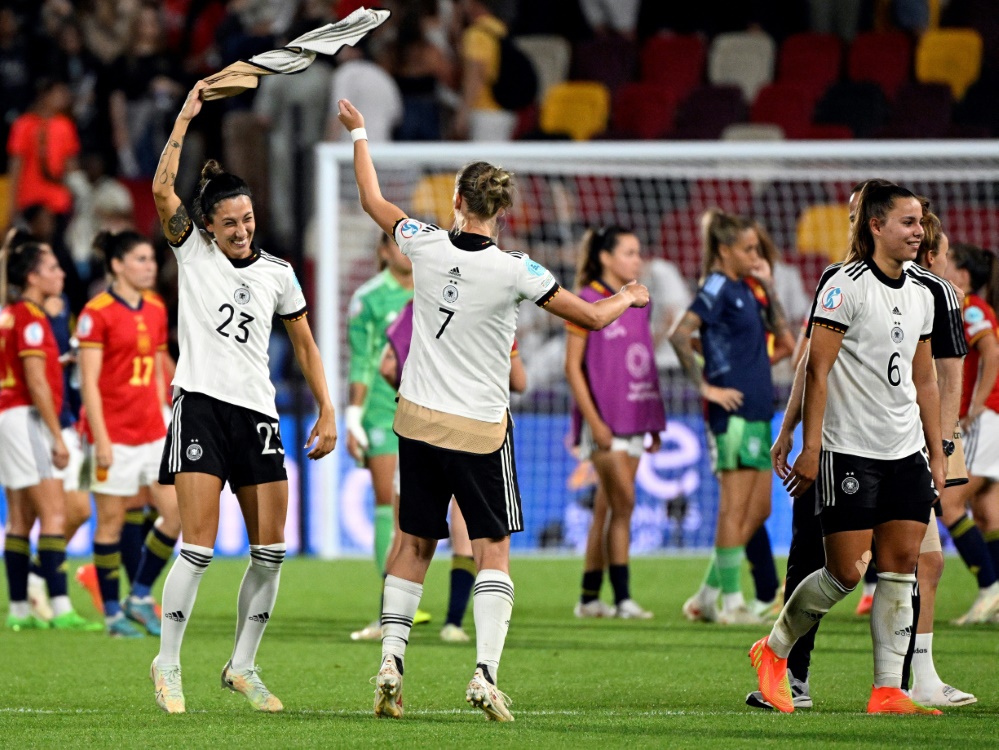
x=25, y=332
x=130, y=339
x=979, y=321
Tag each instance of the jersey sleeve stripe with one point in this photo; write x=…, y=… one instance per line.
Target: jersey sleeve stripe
x=548, y=296
x=830, y=324
x=91, y=345
x=926, y=337
x=31, y=353
x=184, y=235
x=295, y=315
x=980, y=335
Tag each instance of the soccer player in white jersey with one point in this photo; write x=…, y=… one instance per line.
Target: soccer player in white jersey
x=870, y=405
x=455, y=432
x=225, y=424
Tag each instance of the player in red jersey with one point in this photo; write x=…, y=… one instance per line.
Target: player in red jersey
x=31, y=443
x=122, y=333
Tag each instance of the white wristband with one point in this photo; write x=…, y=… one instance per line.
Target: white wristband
x=358, y=134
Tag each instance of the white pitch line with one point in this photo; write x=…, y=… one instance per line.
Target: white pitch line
x=409, y=712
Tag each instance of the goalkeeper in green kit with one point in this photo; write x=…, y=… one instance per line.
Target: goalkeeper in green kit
x=371, y=409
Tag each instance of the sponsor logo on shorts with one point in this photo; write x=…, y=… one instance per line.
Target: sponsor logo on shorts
x=850, y=485
x=194, y=452
x=832, y=298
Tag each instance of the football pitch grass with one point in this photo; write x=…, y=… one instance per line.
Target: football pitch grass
x=663, y=683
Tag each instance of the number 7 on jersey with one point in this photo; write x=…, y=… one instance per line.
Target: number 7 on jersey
x=449, y=314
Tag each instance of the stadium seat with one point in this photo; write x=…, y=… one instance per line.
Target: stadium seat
x=951, y=56
x=921, y=110
x=882, y=57
x=811, y=60
x=643, y=110
x=680, y=238
x=785, y=104
x=611, y=60
x=824, y=229
x=749, y=131
x=828, y=133
x=744, y=59
x=974, y=224
x=730, y=194
x=859, y=105
x=144, y=215
x=433, y=198
x=550, y=55
x=980, y=106
x=707, y=112
x=674, y=60
x=579, y=108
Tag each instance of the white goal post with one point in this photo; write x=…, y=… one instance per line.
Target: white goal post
x=797, y=189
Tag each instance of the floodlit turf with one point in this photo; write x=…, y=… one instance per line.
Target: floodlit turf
x=658, y=683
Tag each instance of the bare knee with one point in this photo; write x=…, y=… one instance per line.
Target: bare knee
x=930, y=570
x=849, y=572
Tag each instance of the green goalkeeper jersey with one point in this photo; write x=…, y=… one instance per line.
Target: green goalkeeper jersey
x=374, y=306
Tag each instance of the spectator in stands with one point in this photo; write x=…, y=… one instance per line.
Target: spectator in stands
x=372, y=90
x=70, y=61
x=840, y=17
x=100, y=202
x=48, y=228
x=107, y=27
x=293, y=111
x=146, y=91
x=612, y=16
x=420, y=70
x=480, y=117
x=15, y=75
x=42, y=149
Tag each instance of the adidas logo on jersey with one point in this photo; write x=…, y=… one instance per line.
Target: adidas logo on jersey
x=454, y=272
x=896, y=311
x=262, y=617
x=177, y=616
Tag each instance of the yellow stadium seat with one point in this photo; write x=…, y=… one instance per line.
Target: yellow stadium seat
x=951, y=56
x=579, y=108
x=825, y=230
x=433, y=199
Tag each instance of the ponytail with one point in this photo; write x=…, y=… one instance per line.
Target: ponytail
x=876, y=200
x=719, y=228
x=19, y=257
x=109, y=245
x=932, y=234
x=594, y=242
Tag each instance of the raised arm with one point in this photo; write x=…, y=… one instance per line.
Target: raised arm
x=384, y=213
x=593, y=316
x=173, y=215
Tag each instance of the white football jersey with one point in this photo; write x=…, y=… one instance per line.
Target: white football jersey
x=226, y=309
x=871, y=408
x=465, y=306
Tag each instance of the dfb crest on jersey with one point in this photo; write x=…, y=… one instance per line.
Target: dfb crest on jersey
x=832, y=298
x=897, y=334
x=242, y=295
x=194, y=452
x=850, y=485
x=450, y=293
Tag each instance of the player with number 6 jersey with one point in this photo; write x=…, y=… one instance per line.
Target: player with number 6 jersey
x=225, y=425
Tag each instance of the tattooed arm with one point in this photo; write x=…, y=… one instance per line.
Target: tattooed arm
x=729, y=399
x=173, y=215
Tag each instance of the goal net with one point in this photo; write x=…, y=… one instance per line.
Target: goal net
x=798, y=191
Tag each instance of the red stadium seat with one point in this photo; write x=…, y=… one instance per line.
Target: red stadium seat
x=735, y=196
x=828, y=133
x=882, y=57
x=707, y=112
x=673, y=60
x=979, y=226
x=785, y=104
x=611, y=60
x=921, y=110
x=680, y=238
x=643, y=110
x=143, y=208
x=811, y=60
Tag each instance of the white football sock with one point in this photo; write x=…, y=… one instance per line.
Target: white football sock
x=179, y=592
x=924, y=673
x=257, y=595
x=809, y=603
x=891, y=626
x=492, y=605
x=399, y=602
